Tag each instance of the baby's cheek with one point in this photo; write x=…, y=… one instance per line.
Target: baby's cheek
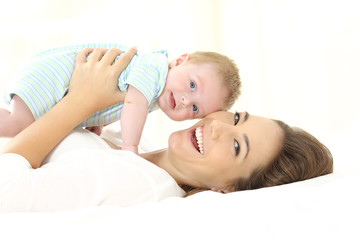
x=177, y=116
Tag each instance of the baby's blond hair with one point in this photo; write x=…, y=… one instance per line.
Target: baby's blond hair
x=227, y=70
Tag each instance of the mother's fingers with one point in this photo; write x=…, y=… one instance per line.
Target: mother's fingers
x=110, y=56
x=97, y=54
x=82, y=55
x=124, y=60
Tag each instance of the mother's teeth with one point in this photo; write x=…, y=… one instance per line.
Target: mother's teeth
x=199, y=138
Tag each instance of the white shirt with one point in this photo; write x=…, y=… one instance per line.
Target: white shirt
x=83, y=171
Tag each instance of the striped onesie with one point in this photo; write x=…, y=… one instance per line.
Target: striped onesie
x=45, y=79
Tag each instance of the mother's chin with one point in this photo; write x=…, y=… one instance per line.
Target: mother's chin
x=176, y=139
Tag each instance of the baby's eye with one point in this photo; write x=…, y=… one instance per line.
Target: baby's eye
x=195, y=109
x=192, y=85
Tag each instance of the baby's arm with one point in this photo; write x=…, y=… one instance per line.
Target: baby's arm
x=133, y=118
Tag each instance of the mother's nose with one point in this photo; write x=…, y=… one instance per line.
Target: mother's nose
x=216, y=128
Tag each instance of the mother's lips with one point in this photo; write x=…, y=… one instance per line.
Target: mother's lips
x=197, y=139
x=172, y=102
x=194, y=140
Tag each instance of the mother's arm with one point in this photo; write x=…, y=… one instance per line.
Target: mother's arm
x=93, y=87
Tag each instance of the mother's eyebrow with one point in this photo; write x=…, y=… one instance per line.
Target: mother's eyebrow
x=246, y=139
x=246, y=116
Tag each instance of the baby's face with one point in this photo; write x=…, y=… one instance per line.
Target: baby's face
x=191, y=91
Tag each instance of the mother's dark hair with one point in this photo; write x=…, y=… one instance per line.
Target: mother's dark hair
x=301, y=157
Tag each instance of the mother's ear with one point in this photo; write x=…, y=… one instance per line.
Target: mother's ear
x=217, y=190
x=223, y=190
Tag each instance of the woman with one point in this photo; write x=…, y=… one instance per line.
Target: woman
x=224, y=152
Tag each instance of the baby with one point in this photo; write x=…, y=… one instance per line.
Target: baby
x=190, y=86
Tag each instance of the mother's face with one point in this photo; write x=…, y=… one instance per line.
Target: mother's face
x=223, y=147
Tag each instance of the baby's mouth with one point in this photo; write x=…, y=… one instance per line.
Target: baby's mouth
x=172, y=102
x=198, y=140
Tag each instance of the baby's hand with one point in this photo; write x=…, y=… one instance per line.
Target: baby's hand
x=133, y=149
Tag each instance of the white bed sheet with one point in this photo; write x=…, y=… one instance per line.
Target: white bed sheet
x=326, y=210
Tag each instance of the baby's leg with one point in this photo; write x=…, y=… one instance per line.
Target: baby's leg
x=16, y=119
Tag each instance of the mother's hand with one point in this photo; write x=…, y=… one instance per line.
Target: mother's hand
x=94, y=81
x=93, y=86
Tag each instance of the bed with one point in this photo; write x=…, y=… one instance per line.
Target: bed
x=326, y=207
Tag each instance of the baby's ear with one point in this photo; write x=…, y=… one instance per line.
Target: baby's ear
x=183, y=58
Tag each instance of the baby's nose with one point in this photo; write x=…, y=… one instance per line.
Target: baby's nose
x=184, y=101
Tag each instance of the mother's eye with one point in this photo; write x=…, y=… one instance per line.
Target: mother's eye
x=237, y=147
x=236, y=118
